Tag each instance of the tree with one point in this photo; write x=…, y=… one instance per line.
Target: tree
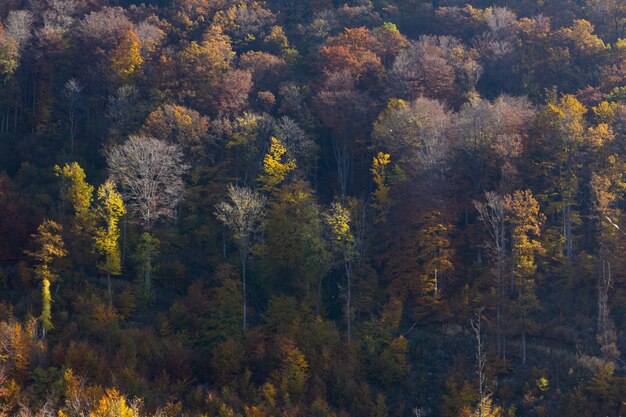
x=110, y=210
x=9, y=57
x=275, y=170
x=382, y=201
x=416, y=133
x=346, y=111
x=493, y=215
x=19, y=26
x=526, y=218
x=113, y=404
x=604, y=198
x=48, y=247
x=338, y=220
x=243, y=215
x=126, y=58
x=76, y=191
x=566, y=133
x=144, y=256
x=299, y=144
x=73, y=90
x=178, y=125
x=150, y=173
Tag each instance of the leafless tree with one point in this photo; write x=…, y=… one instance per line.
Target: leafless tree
x=492, y=213
x=299, y=144
x=150, y=36
x=105, y=27
x=150, y=172
x=19, y=26
x=120, y=108
x=417, y=134
x=481, y=361
x=73, y=90
x=243, y=214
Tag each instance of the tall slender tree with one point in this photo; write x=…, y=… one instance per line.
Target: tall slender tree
x=110, y=209
x=48, y=247
x=243, y=214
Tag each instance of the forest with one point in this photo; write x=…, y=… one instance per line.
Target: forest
x=312, y=208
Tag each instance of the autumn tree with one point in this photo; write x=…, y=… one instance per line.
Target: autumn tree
x=48, y=247
x=566, y=131
x=295, y=255
x=126, y=58
x=110, y=209
x=382, y=202
x=73, y=90
x=78, y=193
x=346, y=111
x=338, y=220
x=178, y=125
x=526, y=218
x=276, y=166
x=243, y=214
x=113, y=404
x=493, y=215
x=416, y=133
x=150, y=173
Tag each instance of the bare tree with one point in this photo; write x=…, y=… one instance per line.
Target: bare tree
x=299, y=144
x=150, y=172
x=481, y=357
x=243, y=215
x=73, y=91
x=121, y=107
x=492, y=214
x=19, y=26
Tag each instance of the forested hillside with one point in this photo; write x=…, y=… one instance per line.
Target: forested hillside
x=316, y=208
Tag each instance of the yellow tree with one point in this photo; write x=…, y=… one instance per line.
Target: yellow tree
x=276, y=166
x=113, y=404
x=110, y=209
x=523, y=212
x=126, y=58
x=338, y=220
x=48, y=247
x=382, y=201
x=565, y=119
x=76, y=191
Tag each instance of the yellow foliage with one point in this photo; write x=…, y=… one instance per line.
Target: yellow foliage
x=600, y=135
x=276, y=166
x=110, y=210
x=112, y=404
x=382, y=202
x=339, y=221
x=605, y=111
x=126, y=58
x=76, y=189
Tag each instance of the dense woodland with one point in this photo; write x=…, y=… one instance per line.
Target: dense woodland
x=312, y=208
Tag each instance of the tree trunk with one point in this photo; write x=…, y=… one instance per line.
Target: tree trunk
x=319, y=295
x=348, y=297
x=110, y=291
x=245, y=297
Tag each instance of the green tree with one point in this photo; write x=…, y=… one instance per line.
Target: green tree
x=145, y=254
